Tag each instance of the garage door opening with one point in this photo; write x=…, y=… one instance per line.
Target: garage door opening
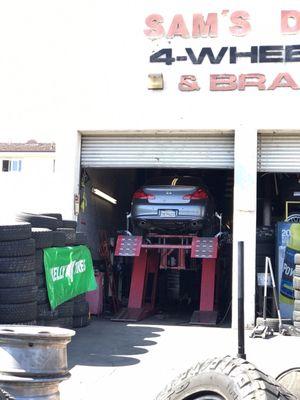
x=278, y=216
x=177, y=291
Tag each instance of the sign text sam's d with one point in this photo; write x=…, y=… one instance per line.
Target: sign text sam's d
x=239, y=25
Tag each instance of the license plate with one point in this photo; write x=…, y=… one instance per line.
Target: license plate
x=167, y=213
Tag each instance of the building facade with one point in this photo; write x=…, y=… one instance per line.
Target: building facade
x=210, y=85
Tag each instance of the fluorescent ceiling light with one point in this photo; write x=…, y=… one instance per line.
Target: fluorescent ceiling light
x=104, y=196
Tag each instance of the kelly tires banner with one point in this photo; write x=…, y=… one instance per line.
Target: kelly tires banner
x=69, y=272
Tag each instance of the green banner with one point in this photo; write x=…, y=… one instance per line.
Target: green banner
x=69, y=272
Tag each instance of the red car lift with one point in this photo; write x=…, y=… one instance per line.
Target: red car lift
x=150, y=255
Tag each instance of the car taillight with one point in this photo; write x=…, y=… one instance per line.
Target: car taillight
x=199, y=194
x=139, y=194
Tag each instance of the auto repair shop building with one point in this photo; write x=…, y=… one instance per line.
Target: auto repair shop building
x=132, y=89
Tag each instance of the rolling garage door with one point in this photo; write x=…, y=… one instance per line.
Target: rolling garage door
x=278, y=152
x=158, y=150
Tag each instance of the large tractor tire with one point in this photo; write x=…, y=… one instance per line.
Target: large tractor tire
x=226, y=378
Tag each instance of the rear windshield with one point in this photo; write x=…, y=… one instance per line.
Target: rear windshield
x=175, y=180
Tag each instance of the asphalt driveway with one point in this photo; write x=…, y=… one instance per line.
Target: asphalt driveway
x=115, y=360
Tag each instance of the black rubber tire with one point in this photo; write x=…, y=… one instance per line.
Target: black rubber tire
x=297, y=270
x=17, y=264
x=80, y=322
x=41, y=280
x=42, y=296
x=69, y=224
x=53, y=215
x=80, y=309
x=81, y=238
x=17, y=231
x=26, y=294
x=17, y=248
x=65, y=322
x=43, y=237
x=45, y=313
x=17, y=279
x=229, y=377
x=267, y=249
x=296, y=282
x=39, y=261
x=14, y=313
x=39, y=221
x=70, y=235
x=297, y=294
x=79, y=299
x=59, y=239
x=65, y=309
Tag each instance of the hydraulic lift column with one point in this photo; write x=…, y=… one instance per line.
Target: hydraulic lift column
x=150, y=256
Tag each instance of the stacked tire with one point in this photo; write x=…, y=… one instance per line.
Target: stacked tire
x=80, y=312
x=18, y=288
x=296, y=287
x=50, y=230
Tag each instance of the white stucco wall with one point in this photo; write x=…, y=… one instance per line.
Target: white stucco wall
x=82, y=66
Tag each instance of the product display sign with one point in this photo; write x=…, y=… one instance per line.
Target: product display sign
x=69, y=273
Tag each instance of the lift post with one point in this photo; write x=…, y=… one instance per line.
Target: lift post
x=152, y=254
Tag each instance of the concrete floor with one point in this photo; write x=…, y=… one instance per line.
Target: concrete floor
x=115, y=360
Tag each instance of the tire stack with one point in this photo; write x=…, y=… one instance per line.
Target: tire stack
x=296, y=287
x=18, y=289
x=50, y=230
x=80, y=312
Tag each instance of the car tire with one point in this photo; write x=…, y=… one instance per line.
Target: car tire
x=41, y=280
x=296, y=282
x=80, y=322
x=26, y=294
x=45, y=313
x=20, y=231
x=297, y=305
x=17, y=264
x=14, y=313
x=42, y=296
x=297, y=270
x=65, y=309
x=79, y=299
x=80, y=309
x=39, y=221
x=297, y=294
x=17, y=279
x=43, y=237
x=17, y=248
x=81, y=239
x=296, y=315
x=65, y=322
x=290, y=380
x=59, y=239
x=39, y=261
x=69, y=224
x=70, y=235
x=227, y=378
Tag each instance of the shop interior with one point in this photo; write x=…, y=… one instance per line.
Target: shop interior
x=178, y=291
